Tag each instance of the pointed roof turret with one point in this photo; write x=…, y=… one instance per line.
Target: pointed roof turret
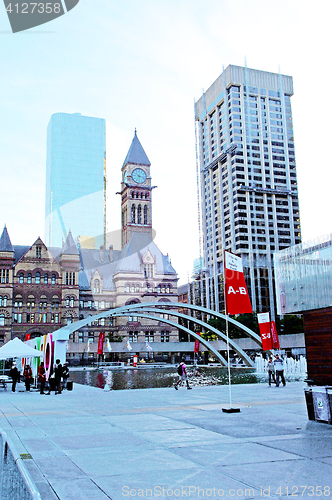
x=69, y=247
x=5, y=243
x=136, y=153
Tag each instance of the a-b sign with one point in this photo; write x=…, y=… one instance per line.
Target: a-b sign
x=242, y=290
x=25, y=15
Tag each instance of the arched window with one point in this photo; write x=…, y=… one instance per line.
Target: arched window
x=45, y=279
x=29, y=278
x=21, y=278
x=71, y=303
x=142, y=196
x=132, y=288
x=67, y=301
x=5, y=301
x=2, y=320
x=69, y=320
x=127, y=288
x=167, y=289
x=145, y=215
x=37, y=278
x=139, y=214
x=133, y=214
x=0, y=300
x=137, y=288
x=53, y=279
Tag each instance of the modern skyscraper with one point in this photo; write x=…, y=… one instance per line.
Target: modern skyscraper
x=249, y=198
x=75, y=178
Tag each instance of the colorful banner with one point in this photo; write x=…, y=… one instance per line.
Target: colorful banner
x=101, y=343
x=265, y=330
x=196, y=351
x=236, y=293
x=274, y=335
x=27, y=336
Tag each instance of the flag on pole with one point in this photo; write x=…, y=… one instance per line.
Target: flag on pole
x=236, y=296
x=108, y=345
x=88, y=346
x=274, y=335
x=129, y=346
x=101, y=343
x=196, y=351
x=148, y=348
x=265, y=330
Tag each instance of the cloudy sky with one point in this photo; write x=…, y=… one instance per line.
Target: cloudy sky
x=142, y=64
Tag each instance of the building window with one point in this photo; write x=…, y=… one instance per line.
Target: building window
x=37, y=278
x=2, y=320
x=4, y=276
x=70, y=278
x=21, y=278
x=38, y=252
x=139, y=214
x=45, y=279
x=102, y=304
x=29, y=278
x=53, y=279
x=145, y=215
x=69, y=320
x=133, y=214
x=148, y=270
x=96, y=286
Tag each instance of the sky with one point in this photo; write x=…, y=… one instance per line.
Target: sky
x=142, y=64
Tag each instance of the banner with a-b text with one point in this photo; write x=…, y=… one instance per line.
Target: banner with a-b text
x=236, y=293
x=265, y=330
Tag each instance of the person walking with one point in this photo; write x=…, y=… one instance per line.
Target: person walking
x=27, y=374
x=15, y=375
x=65, y=374
x=279, y=369
x=183, y=376
x=270, y=370
x=42, y=377
x=58, y=376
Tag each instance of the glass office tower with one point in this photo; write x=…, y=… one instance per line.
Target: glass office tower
x=248, y=185
x=75, y=178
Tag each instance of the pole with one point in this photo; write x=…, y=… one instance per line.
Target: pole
x=229, y=366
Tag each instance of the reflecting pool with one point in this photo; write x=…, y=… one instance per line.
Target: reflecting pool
x=144, y=378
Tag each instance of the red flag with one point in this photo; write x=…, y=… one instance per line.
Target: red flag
x=274, y=335
x=265, y=330
x=237, y=298
x=196, y=345
x=27, y=336
x=101, y=343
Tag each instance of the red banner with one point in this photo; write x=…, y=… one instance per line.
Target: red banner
x=196, y=345
x=274, y=335
x=237, y=298
x=265, y=330
x=101, y=343
x=27, y=336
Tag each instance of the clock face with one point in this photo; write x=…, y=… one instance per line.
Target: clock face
x=138, y=176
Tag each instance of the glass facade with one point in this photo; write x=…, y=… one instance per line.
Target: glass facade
x=303, y=275
x=249, y=198
x=75, y=178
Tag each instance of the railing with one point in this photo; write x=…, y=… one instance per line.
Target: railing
x=15, y=482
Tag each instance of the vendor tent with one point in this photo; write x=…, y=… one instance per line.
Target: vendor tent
x=17, y=349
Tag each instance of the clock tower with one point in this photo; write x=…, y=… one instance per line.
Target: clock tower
x=136, y=190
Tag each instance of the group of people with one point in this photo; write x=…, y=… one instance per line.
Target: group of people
x=275, y=370
x=57, y=381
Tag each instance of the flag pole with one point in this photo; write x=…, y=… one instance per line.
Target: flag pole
x=230, y=409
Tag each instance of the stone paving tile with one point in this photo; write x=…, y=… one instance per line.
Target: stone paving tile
x=78, y=489
x=181, y=483
x=174, y=438
x=101, y=463
x=116, y=441
x=308, y=447
x=152, y=422
x=234, y=454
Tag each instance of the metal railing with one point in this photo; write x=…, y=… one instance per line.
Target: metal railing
x=15, y=481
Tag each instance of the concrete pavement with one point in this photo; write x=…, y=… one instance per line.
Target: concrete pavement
x=161, y=443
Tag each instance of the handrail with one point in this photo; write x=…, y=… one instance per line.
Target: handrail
x=24, y=488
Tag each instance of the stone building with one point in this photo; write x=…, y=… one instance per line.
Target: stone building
x=44, y=288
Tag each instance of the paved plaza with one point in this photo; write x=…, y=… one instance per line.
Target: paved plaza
x=161, y=443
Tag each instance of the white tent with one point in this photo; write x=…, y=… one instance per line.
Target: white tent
x=17, y=349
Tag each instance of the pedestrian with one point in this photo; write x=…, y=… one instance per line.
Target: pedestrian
x=279, y=369
x=65, y=374
x=42, y=377
x=183, y=376
x=58, y=376
x=27, y=374
x=14, y=374
x=270, y=371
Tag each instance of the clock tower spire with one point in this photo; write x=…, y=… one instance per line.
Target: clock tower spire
x=136, y=190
